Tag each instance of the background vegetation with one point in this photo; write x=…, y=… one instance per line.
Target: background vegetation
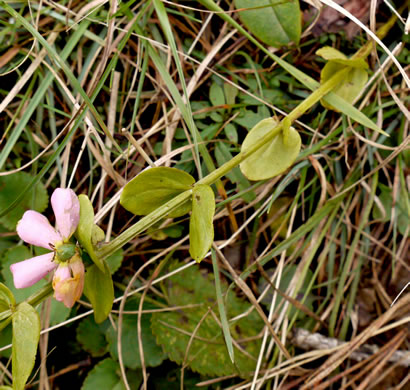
x=306, y=264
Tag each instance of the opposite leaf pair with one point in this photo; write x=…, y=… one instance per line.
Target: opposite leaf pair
x=154, y=187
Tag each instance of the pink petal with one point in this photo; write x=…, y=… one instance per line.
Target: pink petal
x=68, y=289
x=62, y=273
x=30, y=271
x=35, y=229
x=66, y=207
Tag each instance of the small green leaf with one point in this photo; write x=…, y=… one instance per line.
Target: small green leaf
x=274, y=157
x=35, y=199
x=26, y=334
x=351, y=86
x=201, y=229
x=355, y=80
x=231, y=92
x=5, y=388
x=231, y=133
x=275, y=22
x=99, y=289
x=86, y=231
x=216, y=95
x=154, y=187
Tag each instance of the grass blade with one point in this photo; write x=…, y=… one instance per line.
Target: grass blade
x=221, y=307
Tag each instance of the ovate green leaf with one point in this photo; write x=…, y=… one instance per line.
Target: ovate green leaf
x=274, y=157
x=355, y=79
x=349, y=89
x=274, y=22
x=154, y=187
x=230, y=93
x=86, y=232
x=216, y=95
x=13, y=185
x=201, y=228
x=26, y=334
x=99, y=289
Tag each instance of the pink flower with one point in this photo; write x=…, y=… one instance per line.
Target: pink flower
x=35, y=229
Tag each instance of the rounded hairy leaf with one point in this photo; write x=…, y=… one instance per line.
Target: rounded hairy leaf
x=207, y=353
x=274, y=22
x=154, y=187
x=26, y=334
x=86, y=231
x=275, y=156
x=201, y=228
x=99, y=289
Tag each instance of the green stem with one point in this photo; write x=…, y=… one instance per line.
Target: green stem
x=33, y=300
x=147, y=221
x=143, y=224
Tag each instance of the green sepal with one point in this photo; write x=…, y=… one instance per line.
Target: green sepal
x=86, y=230
x=65, y=252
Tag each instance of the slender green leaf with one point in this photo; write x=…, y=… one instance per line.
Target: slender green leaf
x=201, y=229
x=99, y=289
x=26, y=334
